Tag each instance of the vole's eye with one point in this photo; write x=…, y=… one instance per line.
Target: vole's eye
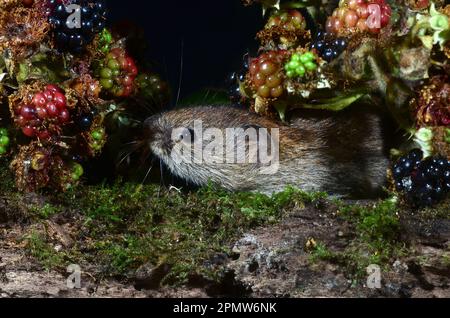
x=187, y=135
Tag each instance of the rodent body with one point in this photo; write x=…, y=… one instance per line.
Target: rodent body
x=343, y=154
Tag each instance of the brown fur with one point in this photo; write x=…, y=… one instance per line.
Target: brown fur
x=340, y=153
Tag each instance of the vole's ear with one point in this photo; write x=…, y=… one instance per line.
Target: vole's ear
x=257, y=128
x=249, y=145
x=248, y=126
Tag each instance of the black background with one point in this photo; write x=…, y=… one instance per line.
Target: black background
x=210, y=35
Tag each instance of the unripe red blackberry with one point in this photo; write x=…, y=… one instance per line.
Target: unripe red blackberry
x=290, y=20
x=117, y=73
x=356, y=16
x=152, y=88
x=28, y=3
x=266, y=74
x=45, y=115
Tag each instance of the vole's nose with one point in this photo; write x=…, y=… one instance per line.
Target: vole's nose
x=167, y=143
x=149, y=127
x=156, y=134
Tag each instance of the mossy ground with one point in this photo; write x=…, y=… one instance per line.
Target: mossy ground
x=376, y=238
x=122, y=226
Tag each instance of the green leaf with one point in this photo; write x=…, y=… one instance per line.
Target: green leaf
x=45, y=67
x=336, y=103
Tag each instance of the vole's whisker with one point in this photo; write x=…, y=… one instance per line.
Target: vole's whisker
x=181, y=73
x=148, y=172
x=134, y=146
x=161, y=167
x=132, y=142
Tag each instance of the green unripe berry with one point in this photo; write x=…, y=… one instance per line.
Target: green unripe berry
x=106, y=48
x=447, y=137
x=96, y=146
x=307, y=57
x=290, y=74
x=78, y=170
x=4, y=141
x=296, y=57
x=106, y=73
x=107, y=83
x=300, y=70
x=310, y=66
x=293, y=65
x=3, y=132
x=97, y=135
x=75, y=177
x=113, y=64
x=2, y=150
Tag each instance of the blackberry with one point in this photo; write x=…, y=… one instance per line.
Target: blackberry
x=266, y=74
x=447, y=180
x=235, y=80
x=356, y=16
x=117, y=73
x=153, y=88
x=424, y=182
x=290, y=20
x=85, y=121
x=74, y=39
x=327, y=47
x=27, y=3
x=234, y=86
x=300, y=64
x=45, y=115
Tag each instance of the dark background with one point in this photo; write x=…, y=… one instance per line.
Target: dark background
x=211, y=35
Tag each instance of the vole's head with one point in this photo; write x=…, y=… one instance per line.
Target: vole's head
x=175, y=137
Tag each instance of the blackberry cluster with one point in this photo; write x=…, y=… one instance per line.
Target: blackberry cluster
x=118, y=73
x=424, y=182
x=327, y=47
x=74, y=40
x=152, y=87
x=300, y=64
x=290, y=20
x=97, y=139
x=359, y=16
x=266, y=74
x=45, y=115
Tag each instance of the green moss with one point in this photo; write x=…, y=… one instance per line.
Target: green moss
x=130, y=225
x=441, y=211
x=375, y=225
x=377, y=238
x=123, y=226
x=321, y=252
x=446, y=259
x=45, y=211
x=39, y=248
x=7, y=181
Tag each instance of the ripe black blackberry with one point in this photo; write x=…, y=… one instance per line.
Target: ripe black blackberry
x=328, y=47
x=424, y=182
x=234, y=86
x=73, y=39
x=235, y=80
